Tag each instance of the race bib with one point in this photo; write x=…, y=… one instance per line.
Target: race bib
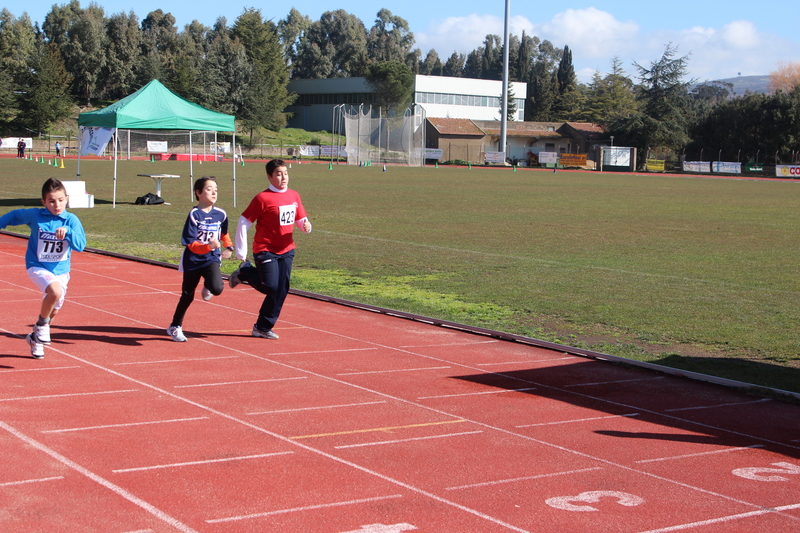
x=288, y=212
x=51, y=249
x=206, y=231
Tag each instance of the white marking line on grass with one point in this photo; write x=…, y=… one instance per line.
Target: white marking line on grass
x=717, y=405
x=314, y=408
x=393, y=371
x=527, y=362
x=576, y=420
x=305, y=508
x=177, y=360
x=238, y=382
x=526, y=478
x=158, y=513
x=475, y=393
x=729, y=518
x=66, y=395
x=24, y=481
x=194, y=463
x=10, y=370
x=130, y=424
x=612, y=382
x=699, y=454
x=410, y=439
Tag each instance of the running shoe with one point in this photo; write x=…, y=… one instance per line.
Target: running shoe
x=42, y=333
x=233, y=279
x=176, y=332
x=37, y=348
x=206, y=294
x=264, y=334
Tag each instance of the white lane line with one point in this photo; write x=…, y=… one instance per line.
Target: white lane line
x=699, y=454
x=327, y=351
x=576, y=420
x=67, y=395
x=140, y=531
x=430, y=437
x=186, y=360
x=158, y=513
x=527, y=361
x=194, y=463
x=717, y=405
x=306, y=508
x=238, y=382
x=526, y=478
x=129, y=424
x=24, y=481
x=729, y=518
x=465, y=343
x=393, y=371
x=476, y=393
x=14, y=370
x=315, y=408
x=613, y=382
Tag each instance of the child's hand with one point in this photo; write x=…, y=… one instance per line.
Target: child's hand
x=226, y=254
x=61, y=232
x=213, y=243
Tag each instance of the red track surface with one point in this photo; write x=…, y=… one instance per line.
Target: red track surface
x=356, y=422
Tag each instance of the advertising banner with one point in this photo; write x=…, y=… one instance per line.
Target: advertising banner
x=572, y=160
x=94, y=139
x=726, y=167
x=655, y=165
x=617, y=156
x=697, y=166
x=787, y=171
x=434, y=153
x=10, y=143
x=220, y=148
x=157, y=146
x=495, y=157
x=548, y=157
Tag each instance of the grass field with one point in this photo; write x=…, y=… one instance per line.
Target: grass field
x=701, y=274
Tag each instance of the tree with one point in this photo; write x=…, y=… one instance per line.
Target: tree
x=17, y=45
x=393, y=83
x=542, y=93
x=472, y=66
x=454, y=66
x=389, y=39
x=226, y=74
x=511, y=106
x=9, y=107
x=335, y=46
x=432, y=66
x=609, y=98
x=85, y=51
x=492, y=59
x=47, y=98
x=124, y=41
x=159, y=46
x=567, y=103
x=785, y=78
x=291, y=32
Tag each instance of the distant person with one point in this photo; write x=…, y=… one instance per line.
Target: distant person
x=58, y=149
x=275, y=212
x=54, y=234
x=205, y=233
x=21, y=145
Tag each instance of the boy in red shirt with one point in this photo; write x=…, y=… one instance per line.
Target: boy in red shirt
x=275, y=212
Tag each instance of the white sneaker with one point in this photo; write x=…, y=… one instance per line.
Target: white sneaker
x=176, y=332
x=264, y=334
x=206, y=294
x=37, y=348
x=42, y=333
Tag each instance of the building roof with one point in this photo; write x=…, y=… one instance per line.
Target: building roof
x=589, y=130
x=455, y=126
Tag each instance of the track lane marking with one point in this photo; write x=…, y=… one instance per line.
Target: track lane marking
x=614, y=382
x=186, y=360
x=373, y=430
x=26, y=481
x=728, y=518
x=12, y=370
x=314, y=408
x=45, y=397
x=527, y=362
x=393, y=371
x=576, y=420
x=304, y=508
x=739, y=449
x=410, y=439
x=238, y=382
x=476, y=393
x=129, y=424
x=525, y=478
x=195, y=463
x=158, y=513
x=732, y=404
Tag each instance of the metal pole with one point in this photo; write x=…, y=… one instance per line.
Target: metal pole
x=504, y=107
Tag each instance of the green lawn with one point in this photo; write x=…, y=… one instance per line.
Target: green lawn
x=696, y=273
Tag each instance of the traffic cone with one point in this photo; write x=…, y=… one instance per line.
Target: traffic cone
x=436, y=165
x=470, y=166
x=384, y=168
x=55, y=162
x=330, y=166
x=62, y=164
x=515, y=168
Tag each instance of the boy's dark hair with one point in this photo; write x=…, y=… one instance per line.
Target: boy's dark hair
x=275, y=163
x=200, y=184
x=52, y=185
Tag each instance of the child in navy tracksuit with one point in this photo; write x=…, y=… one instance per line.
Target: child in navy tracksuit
x=54, y=234
x=205, y=234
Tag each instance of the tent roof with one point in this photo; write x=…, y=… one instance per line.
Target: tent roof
x=154, y=107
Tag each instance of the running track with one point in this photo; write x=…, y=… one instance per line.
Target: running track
x=356, y=422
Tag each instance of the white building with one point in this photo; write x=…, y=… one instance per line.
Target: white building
x=440, y=96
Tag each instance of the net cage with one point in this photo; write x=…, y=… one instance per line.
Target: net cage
x=146, y=142
x=374, y=138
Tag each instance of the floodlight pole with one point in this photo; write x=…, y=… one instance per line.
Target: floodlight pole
x=504, y=107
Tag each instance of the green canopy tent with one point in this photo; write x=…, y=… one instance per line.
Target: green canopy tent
x=154, y=107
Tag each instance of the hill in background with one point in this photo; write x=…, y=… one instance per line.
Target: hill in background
x=742, y=84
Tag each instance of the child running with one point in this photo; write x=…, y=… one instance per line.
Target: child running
x=204, y=234
x=275, y=212
x=54, y=234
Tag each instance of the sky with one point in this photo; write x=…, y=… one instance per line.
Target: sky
x=721, y=39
